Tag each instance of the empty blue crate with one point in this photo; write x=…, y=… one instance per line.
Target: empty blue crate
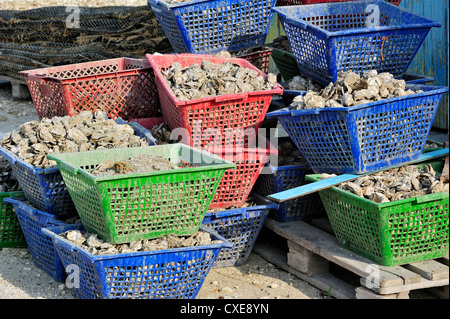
x=176, y=273
x=277, y=179
x=41, y=247
x=240, y=226
x=332, y=37
x=210, y=26
x=363, y=138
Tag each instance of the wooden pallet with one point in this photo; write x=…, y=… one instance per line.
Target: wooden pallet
x=310, y=252
x=19, y=87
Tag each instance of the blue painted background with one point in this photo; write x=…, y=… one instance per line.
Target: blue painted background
x=432, y=58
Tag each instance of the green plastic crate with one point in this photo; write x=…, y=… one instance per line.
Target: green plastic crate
x=125, y=208
x=389, y=234
x=285, y=62
x=11, y=234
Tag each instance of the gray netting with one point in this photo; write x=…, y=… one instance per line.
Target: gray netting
x=40, y=38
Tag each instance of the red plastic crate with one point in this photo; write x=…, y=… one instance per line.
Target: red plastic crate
x=236, y=184
x=259, y=58
x=228, y=116
x=121, y=87
x=298, y=2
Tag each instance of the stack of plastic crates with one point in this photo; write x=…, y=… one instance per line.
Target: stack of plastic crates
x=241, y=226
x=332, y=37
x=138, y=206
x=121, y=87
x=44, y=188
x=11, y=235
x=41, y=247
x=259, y=57
x=176, y=273
x=393, y=233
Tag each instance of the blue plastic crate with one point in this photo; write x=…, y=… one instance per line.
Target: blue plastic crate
x=176, y=273
x=241, y=226
x=366, y=137
x=276, y=179
x=41, y=247
x=210, y=26
x=332, y=37
x=45, y=188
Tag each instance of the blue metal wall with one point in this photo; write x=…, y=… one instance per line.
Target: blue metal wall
x=432, y=58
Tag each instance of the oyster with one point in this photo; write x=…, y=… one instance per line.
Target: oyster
x=86, y=131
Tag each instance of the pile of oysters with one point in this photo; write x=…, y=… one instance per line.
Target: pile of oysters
x=86, y=131
x=351, y=89
x=302, y=83
x=143, y=163
x=397, y=184
x=97, y=246
x=211, y=79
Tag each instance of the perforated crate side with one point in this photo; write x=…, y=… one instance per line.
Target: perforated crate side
x=165, y=274
x=123, y=211
x=143, y=205
x=259, y=58
x=241, y=229
x=389, y=234
x=45, y=189
x=40, y=245
x=11, y=234
x=306, y=2
x=121, y=87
